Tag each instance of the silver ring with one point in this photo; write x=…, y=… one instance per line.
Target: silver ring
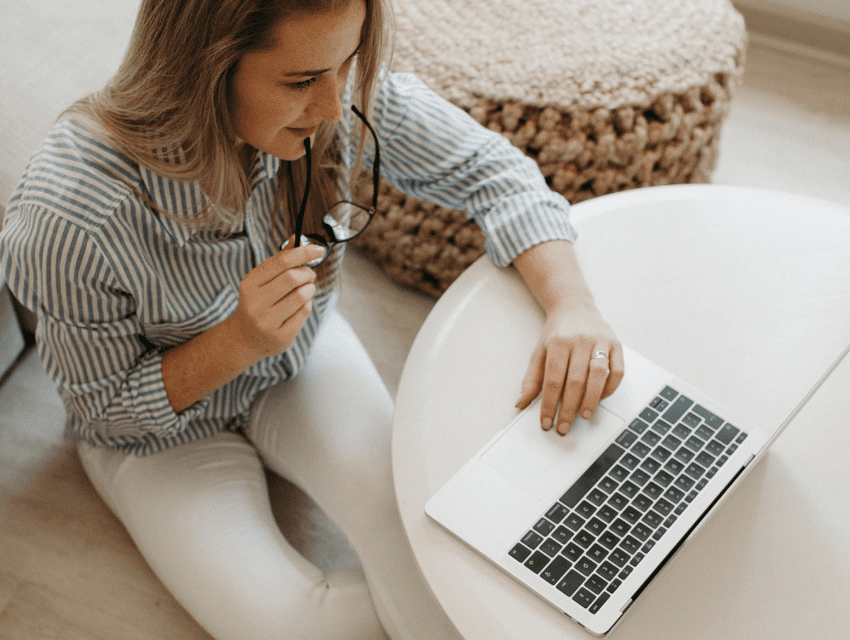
x=600, y=355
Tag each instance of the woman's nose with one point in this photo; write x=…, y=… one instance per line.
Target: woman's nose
x=326, y=103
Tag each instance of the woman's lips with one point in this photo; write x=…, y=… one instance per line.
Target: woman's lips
x=303, y=132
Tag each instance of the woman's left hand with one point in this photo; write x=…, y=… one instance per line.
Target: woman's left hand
x=577, y=362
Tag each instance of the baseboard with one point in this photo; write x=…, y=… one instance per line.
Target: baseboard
x=805, y=32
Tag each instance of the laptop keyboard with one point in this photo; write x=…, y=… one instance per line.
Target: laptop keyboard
x=589, y=541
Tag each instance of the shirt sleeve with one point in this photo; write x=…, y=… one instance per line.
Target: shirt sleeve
x=434, y=151
x=88, y=334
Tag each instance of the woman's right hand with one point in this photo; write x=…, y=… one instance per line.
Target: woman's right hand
x=275, y=300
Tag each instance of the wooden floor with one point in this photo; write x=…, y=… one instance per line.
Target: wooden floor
x=68, y=570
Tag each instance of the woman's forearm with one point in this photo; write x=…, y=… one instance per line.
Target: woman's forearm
x=193, y=370
x=552, y=273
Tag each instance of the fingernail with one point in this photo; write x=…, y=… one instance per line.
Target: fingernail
x=564, y=428
x=546, y=423
x=586, y=414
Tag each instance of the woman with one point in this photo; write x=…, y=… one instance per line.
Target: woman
x=146, y=234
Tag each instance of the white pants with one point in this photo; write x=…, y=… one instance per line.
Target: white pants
x=200, y=513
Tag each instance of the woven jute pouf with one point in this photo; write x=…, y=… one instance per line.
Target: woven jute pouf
x=605, y=95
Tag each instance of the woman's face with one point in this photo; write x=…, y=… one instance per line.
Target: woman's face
x=280, y=95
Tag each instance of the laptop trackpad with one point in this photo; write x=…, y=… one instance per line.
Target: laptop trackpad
x=543, y=462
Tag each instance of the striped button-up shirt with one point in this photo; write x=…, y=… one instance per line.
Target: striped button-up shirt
x=114, y=284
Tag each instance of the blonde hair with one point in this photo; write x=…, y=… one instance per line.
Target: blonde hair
x=170, y=96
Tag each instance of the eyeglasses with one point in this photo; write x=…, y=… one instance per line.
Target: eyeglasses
x=344, y=220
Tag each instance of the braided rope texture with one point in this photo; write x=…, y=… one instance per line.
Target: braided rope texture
x=605, y=95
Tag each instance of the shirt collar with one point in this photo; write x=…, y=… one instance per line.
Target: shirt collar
x=185, y=199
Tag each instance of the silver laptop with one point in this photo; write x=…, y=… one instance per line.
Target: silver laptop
x=587, y=520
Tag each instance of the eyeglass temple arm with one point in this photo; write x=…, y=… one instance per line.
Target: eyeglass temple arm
x=299, y=220
x=376, y=167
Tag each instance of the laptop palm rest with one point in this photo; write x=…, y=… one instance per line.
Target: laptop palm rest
x=536, y=460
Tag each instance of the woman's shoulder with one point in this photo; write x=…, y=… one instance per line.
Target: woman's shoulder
x=77, y=174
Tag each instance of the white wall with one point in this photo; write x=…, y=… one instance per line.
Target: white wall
x=829, y=9
x=820, y=26
x=826, y=8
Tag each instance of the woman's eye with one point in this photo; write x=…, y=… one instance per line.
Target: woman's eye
x=303, y=84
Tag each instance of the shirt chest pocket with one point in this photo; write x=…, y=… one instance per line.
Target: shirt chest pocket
x=180, y=328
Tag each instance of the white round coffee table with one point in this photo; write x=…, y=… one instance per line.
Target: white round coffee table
x=744, y=293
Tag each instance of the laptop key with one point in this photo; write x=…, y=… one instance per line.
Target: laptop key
x=562, y=535
x=710, y=419
x=620, y=527
x=544, y=527
x=704, y=432
x=608, y=484
x=705, y=459
x=631, y=515
x=597, y=604
x=597, y=496
x=684, y=483
x=555, y=570
x=520, y=552
x=532, y=539
x=674, y=495
x=619, y=558
x=607, y=513
x=651, y=519
x=551, y=547
x=537, y=561
x=584, y=538
x=592, y=475
x=618, y=501
x=608, y=571
x=684, y=455
x=557, y=512
x=572, y=552
x=585, y=509
x=596, y=584
x=630, y=545
x=694, y=444
x=674, y=466
x=596, y=526
x=663, y=478
x=626, y=439
x=681, y=431
x=695, y=471
x=629, y=461
x=586, y=566
x=629, y=489
x=640, y=477
x=692, y=420
x=663, y=507
x=609, y=540
x=574, y=521
x=676, y=410
x=584, y=597
x=640, y=449
x=727, y=433
x=669, y=393
x=660, y=427
x=597, y=553
x=641, y=532
x=570, y=582
x=642, y=502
